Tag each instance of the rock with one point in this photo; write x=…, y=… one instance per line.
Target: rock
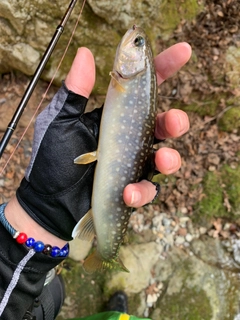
x=202, y=230
x=189, y=237
x=140, y=260
x=195, y=289
x=182, y=232
x=26, y=28
x=212, y=252
x=179, y=240
x=79, y=249
x=166, y=222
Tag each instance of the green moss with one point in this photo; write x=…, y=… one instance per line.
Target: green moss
x=206, y=106
x=184, y=302
x=84, y=290
x=218, y=186
x=230, y=120
x=189, y=304
x=173, y=11
x=231, y=180
x=212, y=202
x=134, y=301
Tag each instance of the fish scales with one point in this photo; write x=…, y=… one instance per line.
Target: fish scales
x=125, y=144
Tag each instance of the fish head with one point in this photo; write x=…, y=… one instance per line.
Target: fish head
x=132, y=53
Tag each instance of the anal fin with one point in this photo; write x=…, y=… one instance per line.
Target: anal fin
x=84, y=229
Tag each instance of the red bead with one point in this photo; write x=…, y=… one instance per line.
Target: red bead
x=22, y=238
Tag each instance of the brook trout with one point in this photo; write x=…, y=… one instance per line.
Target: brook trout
x=124, y=150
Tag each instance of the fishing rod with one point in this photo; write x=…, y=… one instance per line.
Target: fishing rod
x=18, y=113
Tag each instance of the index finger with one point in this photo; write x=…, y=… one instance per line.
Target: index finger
x=171, y=60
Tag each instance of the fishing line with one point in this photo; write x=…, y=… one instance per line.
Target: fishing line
x=46, y=92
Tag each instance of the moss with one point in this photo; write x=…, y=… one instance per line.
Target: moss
x=212, y=203
x=231, y=180
x=206, y=106
x=134, y=301
x=230, y=120
x=184, y=302
x=218, y=186
x=190, y=304
x=173, y=11
x=84, y=290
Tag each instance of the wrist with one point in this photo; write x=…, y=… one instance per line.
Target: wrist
x=21, y=221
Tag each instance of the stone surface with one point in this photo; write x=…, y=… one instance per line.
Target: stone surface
x=79, y=249
x=139, y=259
x=26, y=28
x=198, y=282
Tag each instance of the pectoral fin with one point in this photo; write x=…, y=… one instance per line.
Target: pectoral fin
x=86, y=158
x=115, y=82
x=84, y=229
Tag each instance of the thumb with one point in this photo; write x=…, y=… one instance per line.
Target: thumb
x=81, y=77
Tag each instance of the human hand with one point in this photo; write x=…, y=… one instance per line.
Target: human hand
x=172, y=123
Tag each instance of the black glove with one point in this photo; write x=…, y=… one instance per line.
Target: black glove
x=55, y=192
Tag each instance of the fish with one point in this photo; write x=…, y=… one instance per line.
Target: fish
x=125, y=149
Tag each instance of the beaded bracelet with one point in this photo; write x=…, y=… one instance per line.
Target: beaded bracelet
x=31, y=243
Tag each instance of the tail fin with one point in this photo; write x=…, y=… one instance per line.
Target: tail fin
x=96, y=263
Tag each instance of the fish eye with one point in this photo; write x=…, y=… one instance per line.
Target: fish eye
x=139, y=41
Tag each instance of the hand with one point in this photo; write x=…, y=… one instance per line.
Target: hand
x=172, y=123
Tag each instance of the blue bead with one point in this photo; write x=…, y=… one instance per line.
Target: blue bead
x=30, y=242
x=64, y=251
x=38, y=246
x=55, y=252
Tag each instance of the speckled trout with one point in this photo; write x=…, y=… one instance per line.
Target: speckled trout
x=125, y=148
